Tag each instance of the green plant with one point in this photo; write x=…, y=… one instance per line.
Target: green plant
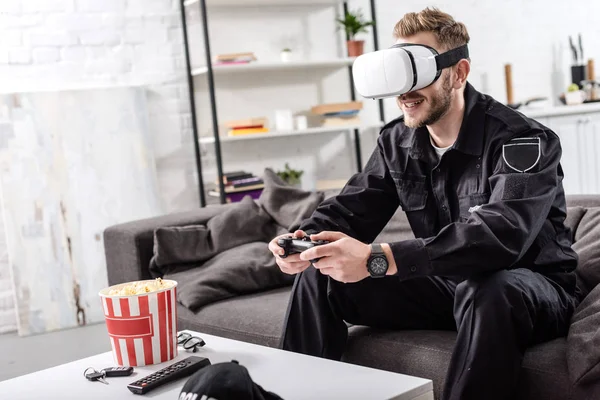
x=289, y=175
x=287, y=50
x=354, y=23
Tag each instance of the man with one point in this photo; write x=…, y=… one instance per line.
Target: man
x=481, y=186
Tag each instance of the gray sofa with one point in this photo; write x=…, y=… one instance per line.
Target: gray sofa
x=258, y=317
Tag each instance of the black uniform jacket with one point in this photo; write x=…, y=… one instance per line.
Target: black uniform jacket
x=494, y=201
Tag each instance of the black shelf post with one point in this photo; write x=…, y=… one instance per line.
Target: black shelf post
x=353, y=97
x=190, y=82
x=376, y=47
x=213, y=102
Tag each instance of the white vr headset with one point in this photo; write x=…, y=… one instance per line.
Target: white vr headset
x=402, y=68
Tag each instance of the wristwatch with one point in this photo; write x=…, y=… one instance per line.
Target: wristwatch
x=377, y=264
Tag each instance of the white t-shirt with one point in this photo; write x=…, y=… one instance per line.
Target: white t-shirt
x=439, y=150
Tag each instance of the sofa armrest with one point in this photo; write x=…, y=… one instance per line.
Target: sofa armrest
x=129, y=247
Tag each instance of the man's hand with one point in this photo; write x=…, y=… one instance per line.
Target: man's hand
x=343, y=259
x=292, y=264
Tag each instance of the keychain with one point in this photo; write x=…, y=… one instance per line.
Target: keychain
x=106, y=373
x=95, y=375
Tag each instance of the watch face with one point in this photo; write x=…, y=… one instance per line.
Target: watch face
x=378, y=265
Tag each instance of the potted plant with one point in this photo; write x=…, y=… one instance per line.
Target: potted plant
x=286, y=55
x=290, y=176
x=354, y=23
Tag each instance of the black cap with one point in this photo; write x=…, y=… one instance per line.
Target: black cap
x=226, y=381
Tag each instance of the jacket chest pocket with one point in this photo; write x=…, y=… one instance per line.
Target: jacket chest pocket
x=471, y=203
x=412, y=191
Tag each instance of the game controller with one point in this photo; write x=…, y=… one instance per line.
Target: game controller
x=291, y=245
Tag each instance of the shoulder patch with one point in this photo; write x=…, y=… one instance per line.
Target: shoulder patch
x=522, y=154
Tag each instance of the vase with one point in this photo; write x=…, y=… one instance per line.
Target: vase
x=286, y=56
x=355, y=47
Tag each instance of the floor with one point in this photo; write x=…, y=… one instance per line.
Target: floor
x=23, y=355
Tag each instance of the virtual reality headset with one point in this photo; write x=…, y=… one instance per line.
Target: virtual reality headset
x=401, y=68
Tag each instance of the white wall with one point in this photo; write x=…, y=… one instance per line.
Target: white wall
x=61, y=44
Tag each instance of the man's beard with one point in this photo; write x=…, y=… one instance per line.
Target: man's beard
x=440, y=104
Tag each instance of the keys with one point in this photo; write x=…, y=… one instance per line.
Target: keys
x=95, y=375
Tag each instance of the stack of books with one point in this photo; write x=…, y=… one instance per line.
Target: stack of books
x=339, y=114
x=234, y=58
x=247, y=126
x=239, y=184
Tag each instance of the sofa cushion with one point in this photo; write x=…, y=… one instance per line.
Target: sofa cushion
x=583, y=200
x=427, y=354
x=256, y=318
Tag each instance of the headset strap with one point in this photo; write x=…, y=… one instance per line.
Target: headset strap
x=451, y=57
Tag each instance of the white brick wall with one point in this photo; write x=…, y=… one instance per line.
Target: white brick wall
x=65, y=43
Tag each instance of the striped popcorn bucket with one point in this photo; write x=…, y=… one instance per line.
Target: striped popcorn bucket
x=143, y=327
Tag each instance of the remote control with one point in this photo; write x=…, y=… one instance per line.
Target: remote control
x=173, y=372
x=294, y=246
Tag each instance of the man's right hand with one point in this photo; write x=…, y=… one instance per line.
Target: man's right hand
x=292, y=264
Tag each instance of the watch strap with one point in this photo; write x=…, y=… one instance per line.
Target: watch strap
x=376, y=249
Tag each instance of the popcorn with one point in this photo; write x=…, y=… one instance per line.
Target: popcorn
x=140, y=288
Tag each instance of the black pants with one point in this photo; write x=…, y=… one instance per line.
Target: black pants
x=497, y=317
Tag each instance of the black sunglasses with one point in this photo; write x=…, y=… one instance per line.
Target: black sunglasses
x=190, y=342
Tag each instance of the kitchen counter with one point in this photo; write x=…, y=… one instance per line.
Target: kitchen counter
x=533, y=112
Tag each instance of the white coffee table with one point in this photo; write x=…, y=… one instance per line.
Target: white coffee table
x=290, y=375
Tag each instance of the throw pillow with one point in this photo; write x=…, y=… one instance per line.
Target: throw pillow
x=574, y=215
x=243, y=222
x=246, y=269
x=583, y=347
x=287, y=205
x=587, y=246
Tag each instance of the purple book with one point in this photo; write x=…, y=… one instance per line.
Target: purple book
x=235, y=197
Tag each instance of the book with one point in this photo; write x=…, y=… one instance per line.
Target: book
x=231, y=189
x=339, y=121
x=235, y=57
x=342, y=113
x=336, y=107
x=246, y=122
x=236, y=197
x=236, y=62
x=238, y=183
x=233, y=176
x=249, y=131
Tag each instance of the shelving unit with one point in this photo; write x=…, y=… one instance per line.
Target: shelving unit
x=210, y=70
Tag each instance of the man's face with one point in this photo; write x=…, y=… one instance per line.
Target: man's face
x=426, y=106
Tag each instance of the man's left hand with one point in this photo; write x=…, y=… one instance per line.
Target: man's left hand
x=344, y=258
